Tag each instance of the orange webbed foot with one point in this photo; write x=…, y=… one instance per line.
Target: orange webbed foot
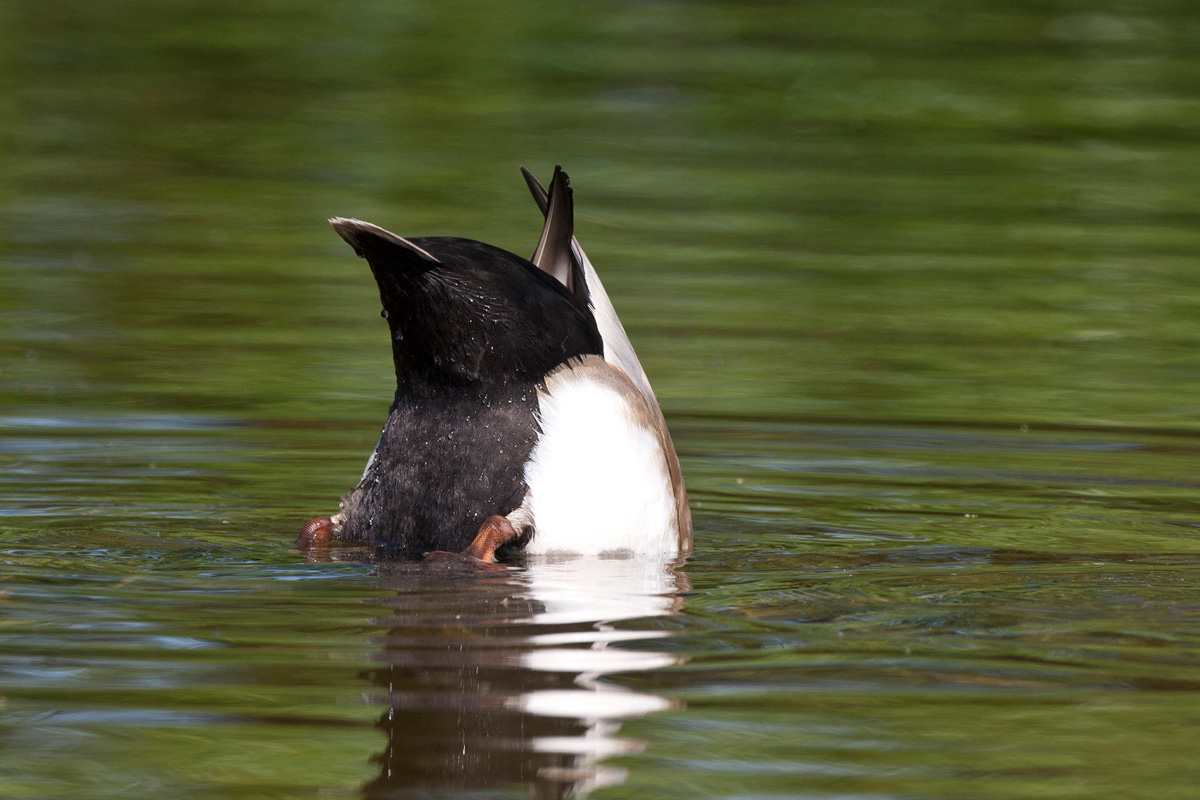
x=495, y=532
x=316, y=534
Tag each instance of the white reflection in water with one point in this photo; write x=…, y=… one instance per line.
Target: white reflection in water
x=498, y=676
x=611, y=589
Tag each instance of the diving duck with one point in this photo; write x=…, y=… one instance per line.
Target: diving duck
x=522, y=418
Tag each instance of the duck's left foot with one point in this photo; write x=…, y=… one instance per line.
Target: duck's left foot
x=495, y=532
x=316, y=534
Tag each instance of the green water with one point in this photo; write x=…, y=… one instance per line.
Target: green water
x=917, y=285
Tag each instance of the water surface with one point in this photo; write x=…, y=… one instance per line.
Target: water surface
x=917, y=287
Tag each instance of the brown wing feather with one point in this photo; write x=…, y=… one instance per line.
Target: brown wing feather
x=553, y=253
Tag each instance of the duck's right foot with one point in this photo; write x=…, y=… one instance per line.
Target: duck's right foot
x=495, y=532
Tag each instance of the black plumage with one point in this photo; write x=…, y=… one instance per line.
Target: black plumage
x=474, y=330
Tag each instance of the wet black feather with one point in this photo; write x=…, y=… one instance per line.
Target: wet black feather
x=474, y=333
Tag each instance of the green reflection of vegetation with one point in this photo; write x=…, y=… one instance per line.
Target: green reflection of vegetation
x=858, y=246
x=865, y=212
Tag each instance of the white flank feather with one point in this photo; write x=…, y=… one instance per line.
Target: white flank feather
x=597, y=477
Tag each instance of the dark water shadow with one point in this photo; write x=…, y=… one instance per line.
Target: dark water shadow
x=495, y=677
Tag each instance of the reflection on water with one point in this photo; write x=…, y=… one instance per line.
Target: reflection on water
x=496, y=675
